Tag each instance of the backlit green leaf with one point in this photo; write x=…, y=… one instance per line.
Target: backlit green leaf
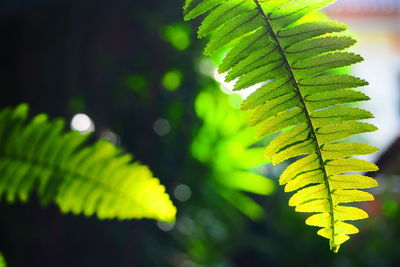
x=290, y=56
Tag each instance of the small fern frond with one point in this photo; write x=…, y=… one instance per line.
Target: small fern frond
x=38, y=156
x=292, y=58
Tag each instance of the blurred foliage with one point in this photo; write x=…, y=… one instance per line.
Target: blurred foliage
x=37, y=156
x=2, y=261
x=228, y=146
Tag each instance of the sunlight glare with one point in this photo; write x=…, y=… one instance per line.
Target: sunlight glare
x=82, y=123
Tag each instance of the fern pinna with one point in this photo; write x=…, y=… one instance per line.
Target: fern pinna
x=95, y=179
x=277, y=44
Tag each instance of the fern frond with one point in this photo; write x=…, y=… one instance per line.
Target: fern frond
x=38, y=156
x=299, y=97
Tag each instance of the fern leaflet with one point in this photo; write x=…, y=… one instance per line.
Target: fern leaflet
x=88, y=180
x=291, y=54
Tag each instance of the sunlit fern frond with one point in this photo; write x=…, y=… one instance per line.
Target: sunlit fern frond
x=300, y=97
x=38, y=156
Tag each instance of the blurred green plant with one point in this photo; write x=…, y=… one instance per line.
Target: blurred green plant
x=228, y=147
x=2, y=261
x=92, y=179
x=291, y=63
x=178, y=35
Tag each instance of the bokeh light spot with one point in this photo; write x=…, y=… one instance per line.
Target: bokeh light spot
x=178, y=35
x=182, y=192
x=166, y=227
x=111, y=137
x=205, y=66
x=186, y=225
x=161, y=127
x=82, y=123
x=172, y=80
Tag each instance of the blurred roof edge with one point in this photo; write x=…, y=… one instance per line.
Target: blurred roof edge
x=360, y=8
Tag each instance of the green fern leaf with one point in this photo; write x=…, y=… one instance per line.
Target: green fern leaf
x=97, y=179
x=272, y=44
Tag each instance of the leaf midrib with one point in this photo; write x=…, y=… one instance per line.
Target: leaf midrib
x=305, y=110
